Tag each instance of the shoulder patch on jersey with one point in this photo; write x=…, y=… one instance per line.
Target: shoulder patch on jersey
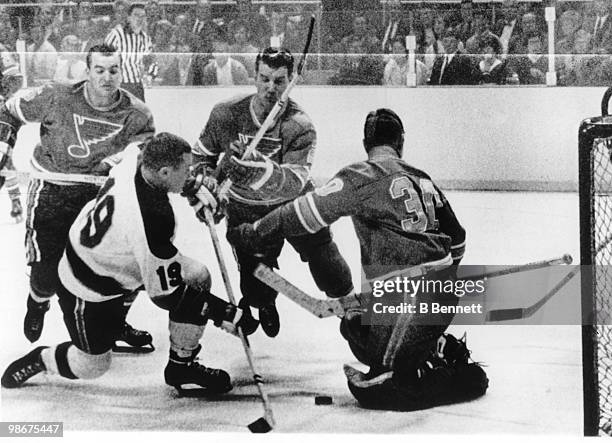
x=334, y=185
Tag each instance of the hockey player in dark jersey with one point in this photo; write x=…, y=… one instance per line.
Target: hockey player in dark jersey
x=405, y=227
x=276, y=173
x=119, y=242
x=83, y=130
x=10, y=82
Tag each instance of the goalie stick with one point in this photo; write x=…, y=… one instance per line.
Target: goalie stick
x=520, y=313
x=565, y=259
x=338, y=306
x=265, y=423
x=316, y=306
x=278, y=106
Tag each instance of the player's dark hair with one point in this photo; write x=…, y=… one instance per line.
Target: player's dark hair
x=104, y=49
x=136, y=6
x=275, y=58
x=383, y=127
x=163, y=149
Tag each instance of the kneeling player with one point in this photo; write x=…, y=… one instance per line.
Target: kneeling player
x=406, y=227
x=121, y=241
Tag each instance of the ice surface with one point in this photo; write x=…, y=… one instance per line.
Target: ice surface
x=535, y=371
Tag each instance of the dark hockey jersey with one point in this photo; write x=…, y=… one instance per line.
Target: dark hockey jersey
x=290, y=143
x=75, y=137
x=401, y=218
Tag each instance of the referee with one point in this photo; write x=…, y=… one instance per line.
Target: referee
x=133, y=43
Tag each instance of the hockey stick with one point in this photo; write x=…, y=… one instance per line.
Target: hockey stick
x=265, y=423
x=318, y=307
x=56, y=176
x=566, y=259
x=278, y=106
x=520, y=313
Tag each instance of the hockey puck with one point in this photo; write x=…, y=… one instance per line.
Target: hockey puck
x=323, y=400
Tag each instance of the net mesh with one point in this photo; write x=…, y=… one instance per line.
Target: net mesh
x=601, y=230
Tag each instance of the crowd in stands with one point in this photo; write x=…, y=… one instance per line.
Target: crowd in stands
x=359, y=42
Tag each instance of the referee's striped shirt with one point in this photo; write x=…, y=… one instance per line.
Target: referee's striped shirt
x=132, y=48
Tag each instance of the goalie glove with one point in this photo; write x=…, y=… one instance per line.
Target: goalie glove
x=253, y=171
x=201, y=194
x=245, y=236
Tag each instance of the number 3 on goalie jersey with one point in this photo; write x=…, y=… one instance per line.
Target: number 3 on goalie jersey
x=421, y=218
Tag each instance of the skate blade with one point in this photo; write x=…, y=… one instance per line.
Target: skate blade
x=127, y=349
x=199, y=392
x=18, y=219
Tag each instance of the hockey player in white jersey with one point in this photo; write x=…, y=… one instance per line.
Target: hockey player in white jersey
x=122, y=241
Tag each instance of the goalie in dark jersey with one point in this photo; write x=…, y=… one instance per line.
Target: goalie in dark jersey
x=119, y=242
x=83, y=129
x=276, y=173
x=406, y=227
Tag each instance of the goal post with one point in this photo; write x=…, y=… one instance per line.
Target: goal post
x=595, y=197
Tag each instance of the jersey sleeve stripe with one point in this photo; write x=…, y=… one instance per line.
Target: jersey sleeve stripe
x=315, y=212
x=296, y=207
x=200, y=149
x=14, y=107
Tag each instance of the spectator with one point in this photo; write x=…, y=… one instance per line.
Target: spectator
x=467, y=26
x=474, y=44
x=223, y=70
x=431, y=48
x=599, y=24
x=532, y=66
x=242, y=50
x=154, y=14
x=164, y=52
x=396, y=69
x=362, y=36
x=508, y=27
x=257, y=25
x=71, y=67
x=492, y=68
x=569, y=24
x=85, y=30
x=453, y=67
x=204, y=28
x=133, y=43
x=120, y=12
x=294, y=34
x=278, y=24
x=42, y=56
x=398, y=25
x=582, y=68
x=358, y=68
x=84, y=11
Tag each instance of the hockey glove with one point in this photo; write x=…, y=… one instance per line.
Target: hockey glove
x=253, y=171
x=245, y=236
x=101, y=168
x=201, y=193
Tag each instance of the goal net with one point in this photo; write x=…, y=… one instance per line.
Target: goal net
x=595, y=188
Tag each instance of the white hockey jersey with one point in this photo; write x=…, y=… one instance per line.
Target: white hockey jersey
x=122, y=241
